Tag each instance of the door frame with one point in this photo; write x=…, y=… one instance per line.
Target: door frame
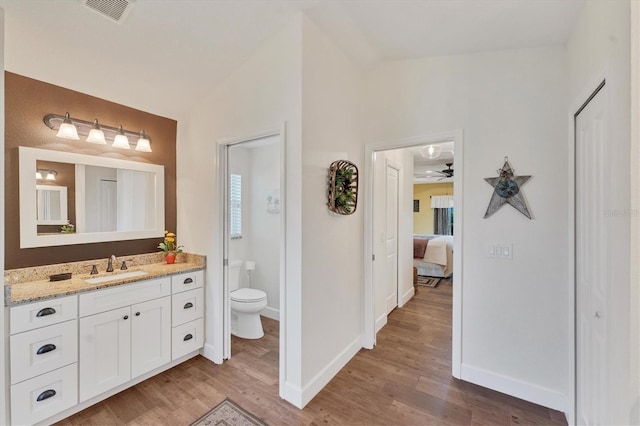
x=369, y=332
x=589, y=90
x=222, y=315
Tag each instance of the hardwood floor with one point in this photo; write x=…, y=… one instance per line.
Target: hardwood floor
x=405, y=380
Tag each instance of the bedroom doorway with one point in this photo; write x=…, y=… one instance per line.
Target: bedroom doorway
x=377, y=282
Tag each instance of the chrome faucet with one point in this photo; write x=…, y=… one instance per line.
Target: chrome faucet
x=110, y=264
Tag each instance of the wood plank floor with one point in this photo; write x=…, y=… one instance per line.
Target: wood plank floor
x=405, y=380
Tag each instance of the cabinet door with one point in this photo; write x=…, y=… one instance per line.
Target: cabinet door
x=150, y=335
x=105, y=351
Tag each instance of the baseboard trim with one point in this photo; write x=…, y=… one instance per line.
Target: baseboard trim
x=528, y=391
x=209, y=353
x=381, y=322
x=321, y=379
x=293, y=395
x=406, y=297
x=272, y=313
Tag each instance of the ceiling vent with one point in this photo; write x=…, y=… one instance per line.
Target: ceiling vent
x=116, y=10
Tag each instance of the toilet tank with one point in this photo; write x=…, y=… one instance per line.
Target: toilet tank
x=235, y=266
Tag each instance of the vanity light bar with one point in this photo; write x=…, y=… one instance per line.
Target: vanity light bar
x=84, y=128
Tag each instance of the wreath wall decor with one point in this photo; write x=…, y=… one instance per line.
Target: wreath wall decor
x=343, y=187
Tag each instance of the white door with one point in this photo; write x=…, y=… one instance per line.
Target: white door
x=105, y=351
x=150, y=335
x=391, y=236
x=591, y=183
x=108, y=203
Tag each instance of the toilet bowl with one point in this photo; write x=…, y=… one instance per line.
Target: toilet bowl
x=246, y=305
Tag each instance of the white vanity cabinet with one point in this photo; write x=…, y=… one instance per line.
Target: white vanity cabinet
x=123, y=343
x=70, y=352
x=188, y=313
x=43, y=349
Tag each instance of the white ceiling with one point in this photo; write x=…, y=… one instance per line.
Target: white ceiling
x=167, y=53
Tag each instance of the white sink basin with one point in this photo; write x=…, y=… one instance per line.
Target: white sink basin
x=121, y=276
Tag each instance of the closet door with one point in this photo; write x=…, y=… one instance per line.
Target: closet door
x=592, y=267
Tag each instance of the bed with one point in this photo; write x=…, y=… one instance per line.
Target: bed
x=438, y=255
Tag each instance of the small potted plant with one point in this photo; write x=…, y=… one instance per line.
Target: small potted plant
x=170, y=247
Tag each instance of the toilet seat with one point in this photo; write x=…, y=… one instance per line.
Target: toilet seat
x=248, y=295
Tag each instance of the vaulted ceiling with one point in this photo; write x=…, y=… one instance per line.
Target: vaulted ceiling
x=167, y=53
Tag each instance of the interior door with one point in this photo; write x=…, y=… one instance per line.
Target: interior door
x=391, y=235
x=108, y=203
x=591, y=269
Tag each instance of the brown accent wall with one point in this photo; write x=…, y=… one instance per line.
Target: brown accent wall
x=27, y=101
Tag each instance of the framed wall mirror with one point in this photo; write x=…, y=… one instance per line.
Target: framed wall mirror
x=91, y=199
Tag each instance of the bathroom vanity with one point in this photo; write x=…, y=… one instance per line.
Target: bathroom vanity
x=74, y=343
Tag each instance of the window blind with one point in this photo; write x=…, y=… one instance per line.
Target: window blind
x=235, y=203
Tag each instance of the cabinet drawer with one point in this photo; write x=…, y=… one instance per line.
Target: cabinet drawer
x=45, y=349
x=187, y=281
x=187, y=338
x=187, y=306
x=123, y=295
x=40, y=314
x=44, y=396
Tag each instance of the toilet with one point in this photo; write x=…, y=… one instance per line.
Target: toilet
x=246, y=305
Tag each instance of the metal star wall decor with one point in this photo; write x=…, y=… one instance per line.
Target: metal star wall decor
x=507, y=190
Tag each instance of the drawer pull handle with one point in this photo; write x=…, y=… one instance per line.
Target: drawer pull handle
x=46, y=311
x=46, y=348
x=188, y=305
x=126, y=317
x=46, y=395
x=137, y=314
x=188, y=337
x=188, y=281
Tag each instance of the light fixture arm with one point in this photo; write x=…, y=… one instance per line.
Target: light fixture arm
x=53, y=121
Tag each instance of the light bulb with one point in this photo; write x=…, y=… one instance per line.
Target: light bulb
x=39, y=175
x=51, y=175
x=144, y=144
x=67, y=129
x=96, y=135
x=121, y=141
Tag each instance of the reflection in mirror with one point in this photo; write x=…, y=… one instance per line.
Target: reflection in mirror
x=117, y=200
x=106, y=199
x=51, y=205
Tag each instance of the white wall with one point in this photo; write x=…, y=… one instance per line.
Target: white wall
x=404, y=159
x=265, y=226
x=332, y=245
x=261, y=95
x=509, y=103
x=601, y=43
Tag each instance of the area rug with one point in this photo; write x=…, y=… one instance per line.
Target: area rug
x=428, y=281
x=228, y=413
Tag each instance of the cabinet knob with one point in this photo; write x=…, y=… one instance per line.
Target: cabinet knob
x=46, y=311
x=188, y=305
x=46, y=395
x=46, y=348
x=126, y=317
x=137, y=314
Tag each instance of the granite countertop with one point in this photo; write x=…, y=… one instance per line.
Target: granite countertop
x=18, y=293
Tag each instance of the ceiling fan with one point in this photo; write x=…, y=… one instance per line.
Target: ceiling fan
x=448, y=172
